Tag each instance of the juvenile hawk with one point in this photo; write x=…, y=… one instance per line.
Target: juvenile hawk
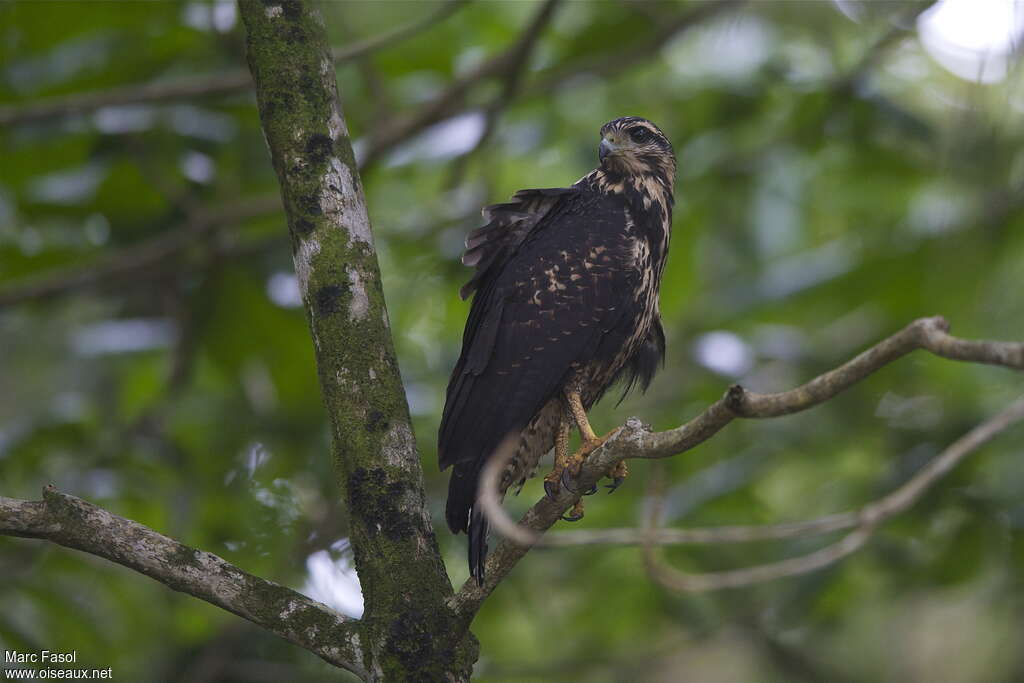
x=566, y=303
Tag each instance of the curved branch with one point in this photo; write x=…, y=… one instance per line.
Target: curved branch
x=75, y=523
x=634, y=440
x=676, y=580
x=866, y=520
x=224, y=83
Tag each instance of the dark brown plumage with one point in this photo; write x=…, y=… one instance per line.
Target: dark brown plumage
x=566, y=302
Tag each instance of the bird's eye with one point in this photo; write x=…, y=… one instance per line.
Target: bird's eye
x=639, y=134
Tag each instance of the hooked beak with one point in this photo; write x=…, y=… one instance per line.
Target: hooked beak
x=606, y=148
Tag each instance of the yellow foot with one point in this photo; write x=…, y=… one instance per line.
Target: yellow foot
x=618, y=475
x=551, y=481
x=576, y=514
x=575, y=461
x=566, y=469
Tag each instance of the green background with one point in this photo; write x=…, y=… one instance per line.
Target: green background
x=835, y=182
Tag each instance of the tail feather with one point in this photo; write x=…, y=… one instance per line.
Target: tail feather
x=463, y=514
x=477, y=533
x=461, y=496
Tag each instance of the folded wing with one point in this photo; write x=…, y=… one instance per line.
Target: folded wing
x=554, y=283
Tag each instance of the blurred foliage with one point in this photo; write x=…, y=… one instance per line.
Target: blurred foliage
x=835, y=182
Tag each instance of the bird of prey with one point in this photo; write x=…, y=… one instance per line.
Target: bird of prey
x=566, y=302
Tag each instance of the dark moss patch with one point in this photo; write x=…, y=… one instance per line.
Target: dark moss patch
x=363, y=478
x=376, y=422
x=307, y=85
x=423, y=643
x=303, y=227
x=309, y=205
x=285, y=101
x=319, y=147
x=292, y=33
x=327, y=299
x=186, y=556
x=414, y=639
x=378, y=499
x=292, y=9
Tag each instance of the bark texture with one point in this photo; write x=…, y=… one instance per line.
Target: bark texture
x=405, y=587
x=75, y=523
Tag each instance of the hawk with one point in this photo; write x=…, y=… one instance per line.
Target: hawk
x=565, y=303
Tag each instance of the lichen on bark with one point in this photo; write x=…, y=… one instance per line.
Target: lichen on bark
x=75, y=523
x=404, y=583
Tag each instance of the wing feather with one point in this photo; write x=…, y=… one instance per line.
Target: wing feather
x=552, y=292
x=489, y=247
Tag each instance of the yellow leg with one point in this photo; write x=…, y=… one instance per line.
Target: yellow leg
x=568, y=466
x=591, y=441
x=551, y=481
x=580, y=416
x=572, y=463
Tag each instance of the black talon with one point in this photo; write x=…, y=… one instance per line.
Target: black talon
x=591, y=491
x=567, y=482
x=616, y=483
x=550, y=489
x=573, y=518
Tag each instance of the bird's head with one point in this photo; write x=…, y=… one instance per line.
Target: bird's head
x=634, y=146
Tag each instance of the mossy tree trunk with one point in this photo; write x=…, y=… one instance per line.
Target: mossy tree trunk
x=409, y=631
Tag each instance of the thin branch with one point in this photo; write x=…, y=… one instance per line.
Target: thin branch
x=378, y=98
x=81, y=279
x=608, y=64
x=397, y=34
x=634, y=440
x=676, y=580
x=397, y=129
x=902, y=23
x=869, y=518
x=930, y=334
x=452, y=99
x=228, y=82
x=519, y=59
x=75, y=523
x=143, y=257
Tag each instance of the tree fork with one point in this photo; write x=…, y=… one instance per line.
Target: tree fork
x=405, y=586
